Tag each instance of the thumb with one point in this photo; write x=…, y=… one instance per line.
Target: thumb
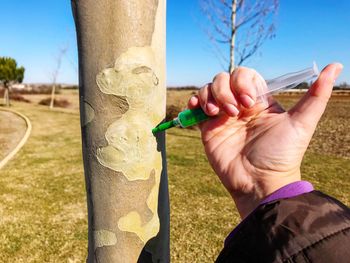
x=310, y=108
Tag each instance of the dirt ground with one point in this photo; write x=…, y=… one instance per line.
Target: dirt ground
x=12, y=129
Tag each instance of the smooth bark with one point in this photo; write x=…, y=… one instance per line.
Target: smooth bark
x=121, y=47
x=233, y=36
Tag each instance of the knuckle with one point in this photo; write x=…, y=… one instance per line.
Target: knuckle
x=220, y=95
x=220, y=76
x=202, y=94
x=205, y=87
x=203, y=90
x=238, y=70
x=240, y=84
x=243, y=79
x=221, y=87
x=243, y=72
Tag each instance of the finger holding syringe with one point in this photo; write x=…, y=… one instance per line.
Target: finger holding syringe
x=244, y=88
x=230, y=93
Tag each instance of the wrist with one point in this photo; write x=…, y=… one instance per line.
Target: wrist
x=248, y=201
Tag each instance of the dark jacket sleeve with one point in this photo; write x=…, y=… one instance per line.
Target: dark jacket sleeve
x=311, y=227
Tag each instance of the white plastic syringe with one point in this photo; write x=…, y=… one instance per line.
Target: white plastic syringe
x=192, y=117
x=290, y=80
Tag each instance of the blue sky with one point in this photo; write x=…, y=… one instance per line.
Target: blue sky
x=33, y=32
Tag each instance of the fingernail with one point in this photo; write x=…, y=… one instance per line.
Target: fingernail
x=211, y=108
x=331, y=74
x=335, y=71
x=232, y=110
x=338, y=70
x=246, y=101
x=193, y=100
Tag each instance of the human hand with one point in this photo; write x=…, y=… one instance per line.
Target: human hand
x=256, y=148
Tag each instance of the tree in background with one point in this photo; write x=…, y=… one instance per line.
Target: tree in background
x=9, y=74
x=121, y=45
x=55, y=73
x=342, y=86
x=241, y=26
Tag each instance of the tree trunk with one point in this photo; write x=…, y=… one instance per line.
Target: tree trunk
x=52, y=96
x=7, y=96
x=233, y=36
x=121, y=47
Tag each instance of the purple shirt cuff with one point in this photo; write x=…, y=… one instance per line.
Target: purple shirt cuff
x=287, y=191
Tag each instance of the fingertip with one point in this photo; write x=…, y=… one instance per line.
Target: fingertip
x=312, y=105
x=324, y=84
x=338, y=70
x=221, y=90
x=193, y=102
x=332, y=70
x=246, y=84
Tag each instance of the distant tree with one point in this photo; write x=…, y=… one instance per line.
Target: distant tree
x=9, y=74
x=247, y=22
x=342, y=86
x=55, y=73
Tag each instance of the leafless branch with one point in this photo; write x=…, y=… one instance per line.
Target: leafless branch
x=222, y=58
x=213, y=36
x=253, y=24
x=62, y=51
x=56, y=71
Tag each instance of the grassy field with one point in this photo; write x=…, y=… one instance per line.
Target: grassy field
x=42, y=205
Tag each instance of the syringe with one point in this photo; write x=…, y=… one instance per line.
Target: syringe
x=192, y=117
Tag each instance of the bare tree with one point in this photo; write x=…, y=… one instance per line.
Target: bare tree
x=241, y=26
x=121, y=46
x=55, y=73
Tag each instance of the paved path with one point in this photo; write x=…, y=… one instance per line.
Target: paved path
x=14, y=131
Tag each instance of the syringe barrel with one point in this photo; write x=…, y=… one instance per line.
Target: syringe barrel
x=188, y=118
x=290, y=80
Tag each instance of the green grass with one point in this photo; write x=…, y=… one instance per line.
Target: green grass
x=202, y=213
x=42, y=191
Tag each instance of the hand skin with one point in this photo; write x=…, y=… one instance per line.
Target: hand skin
x=254, y=147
